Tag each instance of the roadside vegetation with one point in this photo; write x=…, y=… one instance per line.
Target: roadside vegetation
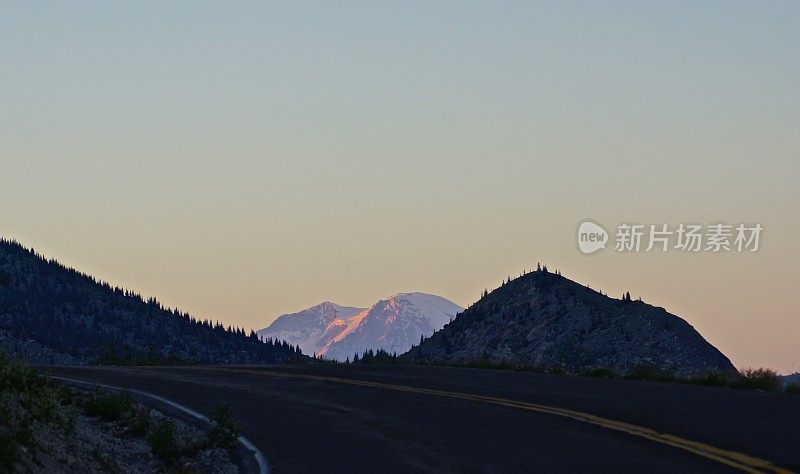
x=369, y=356
x=44, y=425
x=24, y=399
x=766, y=380
x=763, y=379
x=754, y=379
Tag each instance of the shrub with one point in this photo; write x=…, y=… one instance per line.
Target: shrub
x=792, y=388
x=69, y=420
x=106, y=460
x=108, y=406
x=8, y=452
x=606, y=373
x=649, y=372
x=65, y=394
x=44, y=404
x=758, y=379
x=24, y=431
x=225, y=430
x=556, y=369
x=139, y=421
x=712, y=380
x=24, y=397
x=16, y=375
x=162, y=441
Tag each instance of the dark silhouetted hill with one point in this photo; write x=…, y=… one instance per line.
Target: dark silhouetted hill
x=546, y=321
x=51, y=314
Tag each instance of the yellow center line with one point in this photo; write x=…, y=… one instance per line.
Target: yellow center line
x=733, y=459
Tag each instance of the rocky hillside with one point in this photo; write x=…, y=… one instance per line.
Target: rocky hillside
x=51, y=314
x=46, y=427
x=547, y=321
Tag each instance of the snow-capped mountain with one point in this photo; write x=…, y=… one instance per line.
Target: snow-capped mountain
x=793, y=379
x=312, y=328
x=393, y=324
x=338, y=332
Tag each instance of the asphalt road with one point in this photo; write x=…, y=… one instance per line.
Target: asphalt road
x=434, y=419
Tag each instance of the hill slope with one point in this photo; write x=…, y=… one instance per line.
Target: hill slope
x=53, y=314
x=545, y=320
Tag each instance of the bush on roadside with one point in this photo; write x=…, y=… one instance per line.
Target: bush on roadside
x=792, y=388
x=65, y=394
x=24, y=431
x=16, y=375
x=44, y=405
x=225, y=430
x=25, y=397
x=649, y=372
x=8, y=452
x=162, y=441
x=105, y=459
x=69, y=420
x=138, y=421
x=601, y=372
x=758, y=379
x=108, y=406
x=712, y=380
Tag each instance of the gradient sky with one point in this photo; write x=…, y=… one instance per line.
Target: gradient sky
x=243, y=160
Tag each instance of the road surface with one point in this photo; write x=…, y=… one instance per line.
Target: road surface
x=315, y=418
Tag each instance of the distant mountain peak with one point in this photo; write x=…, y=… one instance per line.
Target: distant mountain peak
x=311, y=328
x=329, y=304
x=410, y=294
x=337, y=332
x=394, y=324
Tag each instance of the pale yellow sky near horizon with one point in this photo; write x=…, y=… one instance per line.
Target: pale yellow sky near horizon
x=249, y=161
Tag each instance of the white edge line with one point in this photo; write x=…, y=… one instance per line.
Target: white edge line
x=263, y=465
